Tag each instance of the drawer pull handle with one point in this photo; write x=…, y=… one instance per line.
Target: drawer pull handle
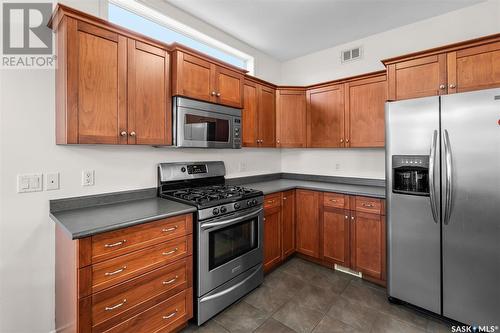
x=270, y=201
x=170, y=229
x=116, y=244
x=170, y=252
x=109, y=308
x=333, y=200
x=116, y=272
x=171, y=315
x=170, y=281
x=369, y=205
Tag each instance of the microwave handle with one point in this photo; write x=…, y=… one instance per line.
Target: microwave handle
x=231, y=221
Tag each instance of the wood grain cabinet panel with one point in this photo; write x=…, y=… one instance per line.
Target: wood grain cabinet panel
x=229, y=90
x=288, y=224
x=192, y=77
x=325, y=117
x=291, y=114
x=267, y=117
x=272, y=237
x=368, y=244
x=308, y=223
x=365, y=112
x=336, y=236
x=474, y=68
x=149, y=106
x=250, y=114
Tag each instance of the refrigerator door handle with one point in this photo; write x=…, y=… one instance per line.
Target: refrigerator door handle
x=432, y=189
x=449, y=178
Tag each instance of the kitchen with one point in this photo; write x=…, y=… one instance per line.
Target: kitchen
x=305, y=139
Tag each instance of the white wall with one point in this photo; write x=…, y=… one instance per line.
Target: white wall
x=470, y=22
x=27, y=138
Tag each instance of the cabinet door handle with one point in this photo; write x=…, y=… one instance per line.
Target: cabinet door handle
x=352, y=218
x=347, y=140
x=170, y=252
x=341, y=140
x=278, y=141
x=115, y=272
x=123, y=133
x=213, y=93
x=109, y=308
x=116, y=244
x=171, y=315
x=284, y=198
x=347, y=217
x=452, y=86
x=218, y=94
x=170, y=281
x=132, y=133
x=442, y=86
x=170, y=229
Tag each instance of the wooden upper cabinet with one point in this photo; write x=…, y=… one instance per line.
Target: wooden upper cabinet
x=464, y=66
x=91, y=87
x=474, y=68
x=249, y=114
x=288, y=225
x=149, y=106
x=192, y=77
x=420, y=77
x=336, y=224
x=199, y=78
x=267, y=116
x=111, y=89
x=258, y=115
x=325, y=117
x=368, y=244
x=307, y=223
x=365, y=112
x=291, y=118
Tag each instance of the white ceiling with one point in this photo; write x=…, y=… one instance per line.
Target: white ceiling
x=286, y=29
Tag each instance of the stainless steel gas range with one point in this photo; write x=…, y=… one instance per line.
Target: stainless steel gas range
x=228, y=232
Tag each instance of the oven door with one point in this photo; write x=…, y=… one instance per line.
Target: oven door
x=196, y=128
x=228, y=246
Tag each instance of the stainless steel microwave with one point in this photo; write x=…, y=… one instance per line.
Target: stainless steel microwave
x=204, y=125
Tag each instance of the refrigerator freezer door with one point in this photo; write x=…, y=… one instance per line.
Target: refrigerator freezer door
x=471, y=235
x=414, y=257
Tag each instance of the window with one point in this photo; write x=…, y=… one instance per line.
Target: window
x=151, y=23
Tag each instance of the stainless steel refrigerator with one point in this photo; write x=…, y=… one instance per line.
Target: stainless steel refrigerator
x=443, y=204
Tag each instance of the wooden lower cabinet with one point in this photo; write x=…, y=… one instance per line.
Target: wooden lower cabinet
x=135, y=279
x=279, y=228
x=308, y=224
x=336, y=225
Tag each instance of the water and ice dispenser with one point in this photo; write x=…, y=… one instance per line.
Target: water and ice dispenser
x=410, y=174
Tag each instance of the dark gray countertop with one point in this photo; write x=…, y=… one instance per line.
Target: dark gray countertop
x=279, y=185
x=88, y=221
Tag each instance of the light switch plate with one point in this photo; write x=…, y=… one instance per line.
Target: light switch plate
x=52, y=181
x=29, y=183
x=88, y=177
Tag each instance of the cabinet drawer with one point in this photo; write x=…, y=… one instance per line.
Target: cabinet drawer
x=133, y=293
x=116, y=270
x=112, y=244
x=368, y=205
x=336, y=200
x=164, y=317
x=272, y=200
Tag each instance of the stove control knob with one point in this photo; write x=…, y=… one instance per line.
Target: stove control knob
x=183, y=169
x=254, y=201
x=223, y=209
x=237, y=206
x=215, y=211
x=249, y=203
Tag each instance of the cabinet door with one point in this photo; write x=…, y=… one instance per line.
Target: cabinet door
x=308, y=224
x=267, y=117
x=365, y=112
x=249, y=115
x=149, y=113
x=420, y=77
x=192, y=77
x=325, y=117
x=368, y=244
x=291, y=118
x=288, y=223
x=229, y=87
x=96, y=85
x=336, y=236
x=474, y=68
x=272, y=237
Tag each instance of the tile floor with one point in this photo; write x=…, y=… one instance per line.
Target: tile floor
x=300, y=296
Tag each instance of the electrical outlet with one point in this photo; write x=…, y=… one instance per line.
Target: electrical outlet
x=29, y=183
x=52, y=181
x=337, y=166
x=88, y=178
x=243, y=166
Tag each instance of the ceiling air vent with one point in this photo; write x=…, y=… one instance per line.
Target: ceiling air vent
x=352, y=54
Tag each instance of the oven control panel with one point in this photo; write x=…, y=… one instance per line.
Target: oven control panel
x=206, y=213
x=196, y=168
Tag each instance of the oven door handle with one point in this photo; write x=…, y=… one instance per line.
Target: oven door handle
x=230, y=289
x=231, y=221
